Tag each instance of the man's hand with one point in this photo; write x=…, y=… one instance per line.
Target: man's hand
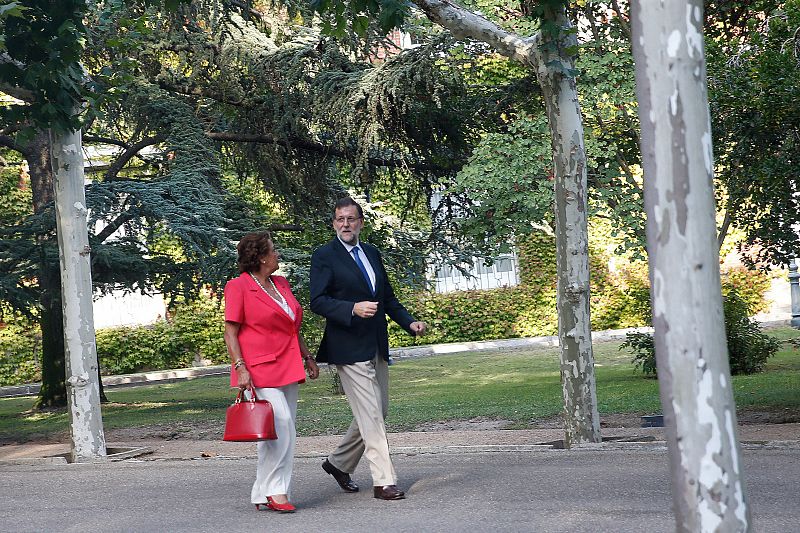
x=365, y=309
x=418, y=328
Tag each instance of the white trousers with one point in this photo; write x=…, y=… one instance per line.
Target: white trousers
x=367, y=388
x=276, y=457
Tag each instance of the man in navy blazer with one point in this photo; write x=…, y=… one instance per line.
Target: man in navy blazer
x=350, y=288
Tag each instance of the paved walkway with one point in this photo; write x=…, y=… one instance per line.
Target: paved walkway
x=456, y=482
x=499, y=480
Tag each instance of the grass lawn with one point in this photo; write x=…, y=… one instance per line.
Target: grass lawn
x=522, y=387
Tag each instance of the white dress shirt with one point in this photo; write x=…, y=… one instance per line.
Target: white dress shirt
x=363, y=257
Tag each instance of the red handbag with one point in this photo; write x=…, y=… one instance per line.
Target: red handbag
x=249, y=420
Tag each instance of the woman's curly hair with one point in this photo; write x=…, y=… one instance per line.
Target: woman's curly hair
x=252, y=248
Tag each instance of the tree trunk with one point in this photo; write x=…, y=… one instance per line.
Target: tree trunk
x=691, y=351
x=53, y=392
x=581, y=418
x=86, y=428
x=553, y=65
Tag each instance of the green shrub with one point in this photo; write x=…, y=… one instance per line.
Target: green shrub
x=125, y=350
x=462, y=316
x=644, y=351
x=193, y=332
x=20, y=354
x=750, y=286
x=198, y=328
x=620, y=300
x=748, y=347
x=537, y=260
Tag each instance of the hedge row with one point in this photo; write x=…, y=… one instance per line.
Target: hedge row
x=194, y=332
x=618, y=300
x=20, y=354
x=192, y=335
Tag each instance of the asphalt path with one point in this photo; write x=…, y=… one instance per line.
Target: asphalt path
x=599, y=490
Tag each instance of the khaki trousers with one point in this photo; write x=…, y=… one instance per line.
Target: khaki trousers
x=366, y=385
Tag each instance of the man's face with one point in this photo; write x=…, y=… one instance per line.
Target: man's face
x=347, y=224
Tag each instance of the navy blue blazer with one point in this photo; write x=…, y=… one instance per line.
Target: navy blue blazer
x=336, y=285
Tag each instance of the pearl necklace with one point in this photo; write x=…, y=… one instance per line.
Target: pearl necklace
x=282, y=301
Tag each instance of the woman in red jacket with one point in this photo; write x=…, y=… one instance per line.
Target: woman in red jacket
x=262, y=333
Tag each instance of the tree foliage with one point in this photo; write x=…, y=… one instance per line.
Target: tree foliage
x=753, y=82
x=748, y=347
x=189, y=105
x=41, y=47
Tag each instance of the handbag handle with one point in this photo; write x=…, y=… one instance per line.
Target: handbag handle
x=253, y=396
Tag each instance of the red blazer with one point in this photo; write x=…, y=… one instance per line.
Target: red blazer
x=267, y=336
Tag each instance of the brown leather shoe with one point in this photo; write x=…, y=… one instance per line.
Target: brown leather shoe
x=342, y=478
x=389, y=492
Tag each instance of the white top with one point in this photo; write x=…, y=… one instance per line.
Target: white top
x=282, y=302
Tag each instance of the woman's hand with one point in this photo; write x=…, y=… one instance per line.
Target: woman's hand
x=243, y=378
x=312, y=368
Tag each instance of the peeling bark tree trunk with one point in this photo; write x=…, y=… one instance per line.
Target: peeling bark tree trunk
x=581, y=419
x=691, y=351
x=53, y=392
x=88, y=440
x=553, y=65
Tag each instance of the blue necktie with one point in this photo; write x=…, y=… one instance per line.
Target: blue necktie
x=360, y=264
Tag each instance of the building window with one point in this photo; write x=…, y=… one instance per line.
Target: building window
x=503, y=272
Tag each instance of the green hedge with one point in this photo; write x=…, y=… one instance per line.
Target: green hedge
x=748, y=347
x=195, y=330
x=618, y=300
x=20, y=354
x=520, y=311
x=750, y=287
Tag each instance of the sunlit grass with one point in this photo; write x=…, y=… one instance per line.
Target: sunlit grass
x=521, y=388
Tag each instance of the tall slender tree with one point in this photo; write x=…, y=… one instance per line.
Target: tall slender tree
x=550, y=52
x=693, y=370
x=41, y=63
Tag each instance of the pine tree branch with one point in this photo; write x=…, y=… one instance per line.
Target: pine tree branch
x=285, y=227
x=131, y=151
x=104, y=140
x=112, y=227
x=246, y=8
x=309, y=146
x=129, y=154
x=199, y=91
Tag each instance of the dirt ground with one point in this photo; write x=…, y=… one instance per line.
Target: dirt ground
x=780, y=424
x=187, y=441
x=754, y=425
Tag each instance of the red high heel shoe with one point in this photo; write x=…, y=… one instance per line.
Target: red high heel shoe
x=274, y=506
